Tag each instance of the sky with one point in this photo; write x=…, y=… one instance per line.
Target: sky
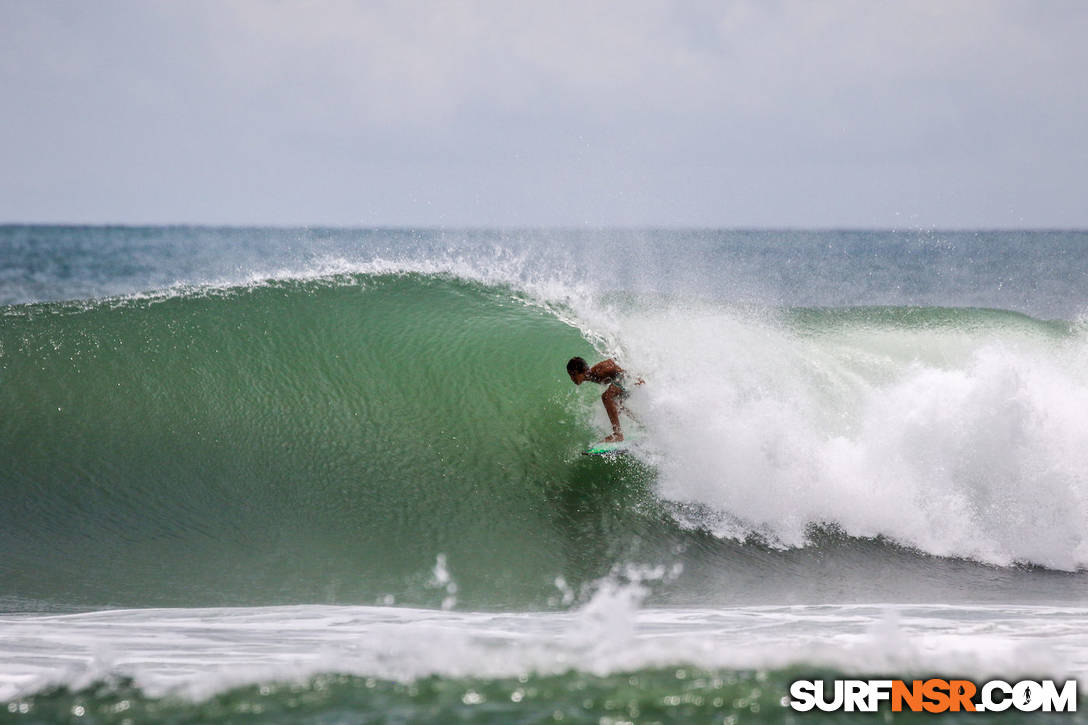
x=746, y=113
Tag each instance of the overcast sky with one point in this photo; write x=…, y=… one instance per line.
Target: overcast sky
x=762, y=113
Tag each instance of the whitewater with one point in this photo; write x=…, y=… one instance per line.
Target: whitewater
x=332, y=474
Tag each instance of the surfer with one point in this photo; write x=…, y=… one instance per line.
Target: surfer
x=608, y=373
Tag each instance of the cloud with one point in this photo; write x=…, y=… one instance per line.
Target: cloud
x=648, y=98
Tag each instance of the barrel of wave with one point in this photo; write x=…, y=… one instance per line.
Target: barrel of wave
x=307, y=441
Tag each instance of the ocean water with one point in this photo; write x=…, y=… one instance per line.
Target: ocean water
x=334, y=475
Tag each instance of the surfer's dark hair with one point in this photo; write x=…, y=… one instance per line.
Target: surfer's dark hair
x=576, y=365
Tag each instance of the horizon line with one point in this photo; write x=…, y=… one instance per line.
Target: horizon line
x=543, y=227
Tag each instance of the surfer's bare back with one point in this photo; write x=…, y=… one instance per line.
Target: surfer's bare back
x=606, y=372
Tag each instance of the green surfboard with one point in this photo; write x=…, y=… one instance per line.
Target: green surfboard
x=607, y=449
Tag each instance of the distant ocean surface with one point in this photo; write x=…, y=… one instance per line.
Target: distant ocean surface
x=335, y=475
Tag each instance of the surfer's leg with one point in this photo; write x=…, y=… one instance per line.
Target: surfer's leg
x=612, y=407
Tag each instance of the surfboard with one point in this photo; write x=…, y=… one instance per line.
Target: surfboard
x=607, y=449
x=631, y=439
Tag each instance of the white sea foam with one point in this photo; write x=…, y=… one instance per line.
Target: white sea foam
x=970, y=443
x=196, y=653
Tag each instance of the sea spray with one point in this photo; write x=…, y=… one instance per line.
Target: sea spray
x=962, y=434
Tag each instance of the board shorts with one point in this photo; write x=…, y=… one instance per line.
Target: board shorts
x=619, y=383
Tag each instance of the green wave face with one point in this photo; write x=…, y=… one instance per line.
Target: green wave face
x=304, y=441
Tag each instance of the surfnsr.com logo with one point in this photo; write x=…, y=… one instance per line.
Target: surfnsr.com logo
x=933, y=695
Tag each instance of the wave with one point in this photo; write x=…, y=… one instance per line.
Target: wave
x=320, y=440
x=294, y=435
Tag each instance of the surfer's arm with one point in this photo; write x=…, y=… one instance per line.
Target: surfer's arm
x=606, y=369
